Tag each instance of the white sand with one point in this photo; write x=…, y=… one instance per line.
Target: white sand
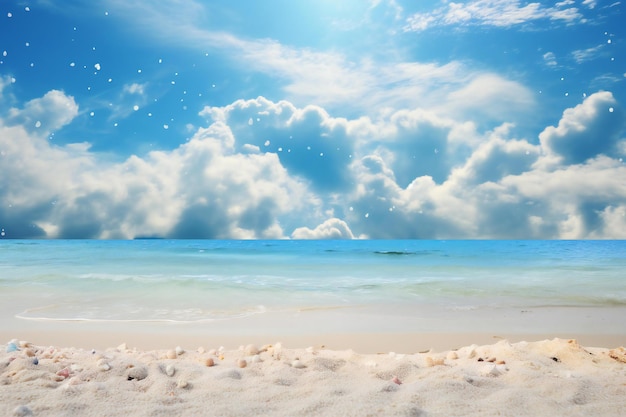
x=547, y=378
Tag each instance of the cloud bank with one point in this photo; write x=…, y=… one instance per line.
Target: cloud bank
x=265, y=169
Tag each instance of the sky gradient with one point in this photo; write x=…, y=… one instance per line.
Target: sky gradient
x=312, y=119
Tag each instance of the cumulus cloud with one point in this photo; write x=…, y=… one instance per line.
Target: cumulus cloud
x=331, y=229
x=201, y=189
x=257, y=171
x=587, y=130
x=50, y=112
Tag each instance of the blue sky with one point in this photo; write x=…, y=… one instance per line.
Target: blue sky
x=312, y=119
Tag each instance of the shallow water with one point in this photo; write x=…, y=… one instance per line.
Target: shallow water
x=201, y=281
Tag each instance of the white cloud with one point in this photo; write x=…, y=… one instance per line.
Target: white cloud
x=590, y=3
x=331, y=229
x=46, y=114
x=550, y=59
x=227, y=183
x=584, y=55
x=498, y=13
x=587, y=130
x=331, y=79
x=135, y=88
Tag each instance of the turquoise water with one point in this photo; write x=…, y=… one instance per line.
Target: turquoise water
x=199, y=281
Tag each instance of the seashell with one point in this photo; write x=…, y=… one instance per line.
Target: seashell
x=452, y=355
x=179, y=350
x=29, y=352
x=209, y=362
x=492, y=371
x=256, y=359
x=619, y=354
x=242, y=363
x=25, y=344
x=170, y=370
x=65, y=373
x=138, y=373
x=251, y=350
x=182, y=383
x=430, y=361
x=74, y=381
x=297, y=364
x=171, y=354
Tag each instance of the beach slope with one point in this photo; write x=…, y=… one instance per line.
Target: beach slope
x=543, y=378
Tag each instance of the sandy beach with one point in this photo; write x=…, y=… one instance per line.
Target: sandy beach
x=503, y=378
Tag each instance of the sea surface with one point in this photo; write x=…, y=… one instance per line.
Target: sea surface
x=191, y=281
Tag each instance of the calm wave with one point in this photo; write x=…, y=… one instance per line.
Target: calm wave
x=191, y=281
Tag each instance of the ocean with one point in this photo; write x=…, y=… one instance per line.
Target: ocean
x=418, y=285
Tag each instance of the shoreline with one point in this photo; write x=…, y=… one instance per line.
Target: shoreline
x=363, y=343
x=362, y=330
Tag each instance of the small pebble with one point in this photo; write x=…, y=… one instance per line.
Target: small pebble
x=452, y=355
x=209, y=362
x=182, y=383
x=171, y=354
x=179, y=350
x=255, y=359
x=21, y=411
x=170, y=370
x=221, y=357
x=122, y=347
x=12, y=347
x=251, y=350
x=396, y=380
x=29, y=352
x=242, y=363
x=297, y=364
x=35, y=361
x=138, y=373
